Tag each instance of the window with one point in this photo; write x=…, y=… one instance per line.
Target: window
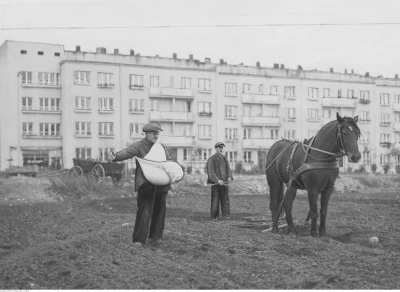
x=104, y=152
x=339, y=93
x=290, y=134
x=246, y=88
x=82, y=103
x=205, y=154
x=136, y=105
x=312, y=92
x=384, y=138
x=83, y=153
x=312, y=133
x=289, y=91
x=261, y=88
x=397, y=137
x=385, y=118
x=136, y=81
x=327, y=92
x=204, y=131
x=81, y=77
x=49, y=104
x=155, y=105
x=57, y=54
x=186, y=82
x=274, y=89
x=272, y=134
x=204, y=108
x=364, y=95
x=27, y=128
x=26, y=103
x=384, y=158
x=40, y=53
x=204, y=84
x=154, y=81
x=384, y=99
x=186, y=154
x=246, y=133
x=396, y=98
x=366, y=157
x=83, y=128
x=364, y=116
x=187, y=130
x=231, y=133
x=292, y=113
x=106, y=129
x=397, y=118
x=350, y=93
x=313, y=113
x=46, y=78
x=23, y=52
x=135, y=129
x=230, y=89
x=230, y=111
x=247, y=157
x=104, y=79
x=365, y=137
x=231, y=156
x=49, y=129
x=106, y=104
x=26, y=77
x=326, y=113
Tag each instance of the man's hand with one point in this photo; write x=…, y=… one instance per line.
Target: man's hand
x=220, y=182
x=111, y=156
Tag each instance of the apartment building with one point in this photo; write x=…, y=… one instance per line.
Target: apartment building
x=59, y=104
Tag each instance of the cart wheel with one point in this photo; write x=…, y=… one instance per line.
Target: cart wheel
x=76, y=171
x=98, y=174
x=119, y=179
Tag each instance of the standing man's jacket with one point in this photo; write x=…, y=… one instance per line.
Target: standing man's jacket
x=218, y=169
x=139, y=149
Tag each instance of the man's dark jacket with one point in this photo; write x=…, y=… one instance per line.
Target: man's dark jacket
x=218, y=169
x=138, y=149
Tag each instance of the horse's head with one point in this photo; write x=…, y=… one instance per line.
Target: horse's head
x=349, y=133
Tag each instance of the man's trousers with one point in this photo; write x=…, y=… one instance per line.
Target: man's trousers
x=219, y=194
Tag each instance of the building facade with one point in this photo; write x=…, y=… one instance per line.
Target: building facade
x=57, y=105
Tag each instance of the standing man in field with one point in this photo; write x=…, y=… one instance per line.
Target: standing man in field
x=151, y=199
x=219, y=172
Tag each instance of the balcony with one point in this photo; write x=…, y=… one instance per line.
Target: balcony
x=396, y=127
x=385, y=123
x=37, y=137
x=365, y=101
x=256, y=143
x=260, y=98
x=106, y=111
x=364, y=142
x=83, y=110
x=42, y=85
x=168, y=92
x=137, y=111
x=290, y=119
x=136, y=87
x=83, y=135
x=105, y=85
x=313, y=119
x=339, y=102
x=171, y=117
x=204, y=114
x=396, y=107
x=41, y=110
x=261, y=121
x=364, y=120
x=106, y=135
x=178, y=141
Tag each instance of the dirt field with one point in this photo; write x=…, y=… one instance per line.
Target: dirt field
x=67, y=235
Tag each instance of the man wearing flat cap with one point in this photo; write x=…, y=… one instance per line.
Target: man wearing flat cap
x=151, y=199
x=219, y=172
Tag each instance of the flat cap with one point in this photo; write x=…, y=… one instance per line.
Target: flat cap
x=151, y=127
x=219, y=144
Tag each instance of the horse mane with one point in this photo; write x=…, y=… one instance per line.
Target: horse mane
x=347, y=121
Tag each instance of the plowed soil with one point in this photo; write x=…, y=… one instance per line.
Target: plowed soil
x=53, y=238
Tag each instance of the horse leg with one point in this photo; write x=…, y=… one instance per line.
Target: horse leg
x=275, y=197
x=325, y=196
x=313, y=202
x=288, y=204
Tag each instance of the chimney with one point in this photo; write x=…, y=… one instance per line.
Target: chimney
x=331, y=70
x=258, y=64
x=221, y=61
x=282, y=66
x=174, y=55
x=276, y=66
x=78, y=48
x=367, y=74
x=100, y=50
x=116, y=52
x=396, y=76
x=190, y=57
x=132, y=53
x=299, y=67
x=207, y=60
x=345, y=71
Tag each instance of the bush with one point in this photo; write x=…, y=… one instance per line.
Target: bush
x=361, y=169
x=398, y=168
x=189, y=169
x=373, y=168
x=238, y=167
x=386, y=168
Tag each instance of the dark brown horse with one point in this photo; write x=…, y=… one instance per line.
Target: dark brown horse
x=312, y=166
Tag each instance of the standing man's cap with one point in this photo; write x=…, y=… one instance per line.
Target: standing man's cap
x=152, y=127
x=219, y=144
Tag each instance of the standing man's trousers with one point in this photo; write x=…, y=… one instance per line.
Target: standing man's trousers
x=219, y=194
x=151, y=203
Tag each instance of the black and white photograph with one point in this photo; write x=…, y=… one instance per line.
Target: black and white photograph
x=199, y=145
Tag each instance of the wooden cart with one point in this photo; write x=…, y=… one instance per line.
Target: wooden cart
x=98, y=170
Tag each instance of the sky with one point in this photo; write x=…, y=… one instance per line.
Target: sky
x=350, y=34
